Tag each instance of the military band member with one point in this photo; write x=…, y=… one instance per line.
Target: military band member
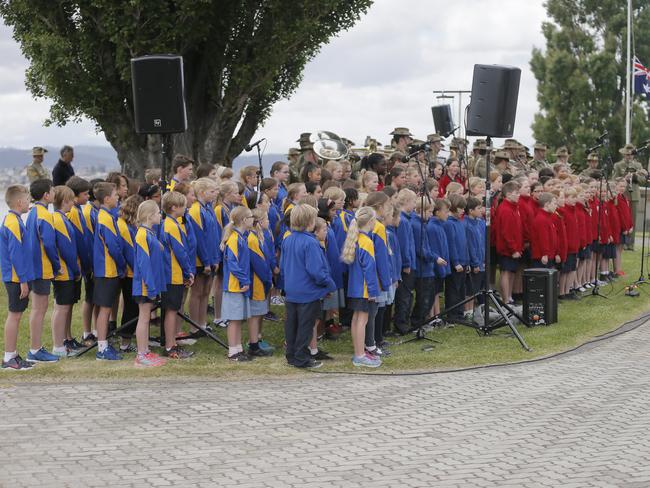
x=402, y=137
x=500, y=162
x=635, y=175
x=592, y=166
x=539, y=157
x=562, y=156
x=36, y=170
x=436, y=142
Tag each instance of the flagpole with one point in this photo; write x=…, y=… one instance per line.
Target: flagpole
x=628, y=80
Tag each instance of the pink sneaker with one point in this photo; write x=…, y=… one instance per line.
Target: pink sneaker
x=149, y=360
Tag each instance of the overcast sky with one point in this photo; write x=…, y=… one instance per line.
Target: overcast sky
x=377, y=76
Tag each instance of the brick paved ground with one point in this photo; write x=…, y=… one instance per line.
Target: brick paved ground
x=579, y=420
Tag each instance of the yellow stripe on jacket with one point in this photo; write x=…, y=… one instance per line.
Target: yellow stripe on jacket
x=12, y=224
x=46, y=265
x=174, y=231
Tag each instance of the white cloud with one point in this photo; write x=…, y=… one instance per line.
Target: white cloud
x=367, y=81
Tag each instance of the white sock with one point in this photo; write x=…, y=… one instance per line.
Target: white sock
x=371, y=348
x=240, y=348
x=85, y=335
x=59, y=349
x=313, y=350
x=95, y=332
x=232, y=351
x=9, y=356
x=102, y=345
x=34, y=351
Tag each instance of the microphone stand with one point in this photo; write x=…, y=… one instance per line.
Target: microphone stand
x=260, y=171
x=420, y=331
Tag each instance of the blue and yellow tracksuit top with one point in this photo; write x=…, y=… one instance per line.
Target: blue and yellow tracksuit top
x=341, y=224
x=457, y=241
x=148, y=274
x=475, y=231
x=222, y=213
x=333, y=255
x=208, y=236
x=396, y=254
x=270, y=249
x=262, y=277
x=90, y=217
x=237, y=264
x=108, y=260
x=67, y=248
x=42, y=243
x=305, y=274
x=82, y=239
x=406, y=241
x=362, y=272
x=177, y=260
x=382, y=255
x=127, y=241
x=190, y=236
x=15, y=257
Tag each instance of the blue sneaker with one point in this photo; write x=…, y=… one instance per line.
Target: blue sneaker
x=366, y=361
x=41, y=356
x=109, y=354
x=265, y=346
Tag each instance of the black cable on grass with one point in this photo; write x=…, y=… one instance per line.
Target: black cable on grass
x=620, y=330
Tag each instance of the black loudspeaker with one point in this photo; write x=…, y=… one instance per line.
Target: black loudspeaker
x=541, y=287
x=493, y=105
x=442, y=120
x=158, y=94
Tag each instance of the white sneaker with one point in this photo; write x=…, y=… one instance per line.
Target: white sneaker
x=582, y=289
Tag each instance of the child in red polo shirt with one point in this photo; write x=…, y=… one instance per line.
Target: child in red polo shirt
x=625, y=218
x=543, y=244
x=509, y=238
x=568, y=273
x=584, y=231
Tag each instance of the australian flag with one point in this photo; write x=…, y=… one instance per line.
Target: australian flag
x=641, y=79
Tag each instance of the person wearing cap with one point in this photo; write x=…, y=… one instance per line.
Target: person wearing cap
x=591, y=171
x=402, y=137
x=436, y=145
x=562, y=156
x=306, y=155
x=293, y=157
x=63, y=170
x=634, y=175
x=500, y=162
x=539, y=157
x=36, y=170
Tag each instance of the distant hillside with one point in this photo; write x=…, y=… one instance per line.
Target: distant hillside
x=87, y=156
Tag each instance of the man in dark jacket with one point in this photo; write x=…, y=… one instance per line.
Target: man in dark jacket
x=63, y=169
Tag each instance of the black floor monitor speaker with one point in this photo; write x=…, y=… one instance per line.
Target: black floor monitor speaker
x=541, y=287
x=158, y=94
x=493, y=105
x=442, y=120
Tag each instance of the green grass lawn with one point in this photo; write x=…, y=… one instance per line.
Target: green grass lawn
x=459, y=347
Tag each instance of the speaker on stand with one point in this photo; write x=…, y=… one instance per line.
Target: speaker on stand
x=442, y=120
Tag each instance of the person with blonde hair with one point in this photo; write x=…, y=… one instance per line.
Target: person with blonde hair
x=237, y=279
x=203, y=221
x=369, y=184
x=306, y=281
x=335, y=169
x=363, y=284
x=148, y=279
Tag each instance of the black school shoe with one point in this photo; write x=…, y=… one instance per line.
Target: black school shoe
x=321, y=356
x=311, y=365
x=259, y=352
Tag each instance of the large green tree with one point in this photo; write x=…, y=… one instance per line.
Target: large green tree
x=240, y=57
x=581, y=74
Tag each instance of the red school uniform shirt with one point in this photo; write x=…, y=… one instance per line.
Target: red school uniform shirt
x=544, y=239
x=624, y=212
x=509, y=233
x=584, y=224
x=568, y=213
x=614, y=222
x=562, y=248
x=527, y=211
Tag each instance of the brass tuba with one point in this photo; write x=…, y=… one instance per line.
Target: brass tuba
x=328, y=146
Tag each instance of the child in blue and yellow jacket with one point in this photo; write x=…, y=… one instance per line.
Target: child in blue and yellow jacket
x=15, y=264
x=45, y=264
x=440, y=246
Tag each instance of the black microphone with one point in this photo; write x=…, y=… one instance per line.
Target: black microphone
x=602, y=137
x=250, y=147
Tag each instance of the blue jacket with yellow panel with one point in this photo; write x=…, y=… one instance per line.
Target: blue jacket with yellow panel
x=108, y=259
x=341, y=224
x=177, y=260
x=15, y=258
x=67, y=248
x=127, y=241
x=262, y=277
x=190, y=235
x=90, y=212
x=382, y=255
x=148, y=275
x=237, y=264
x=42, y=243
x=304, y=271
x=333, y=254
x=81, y=233
x=362, y=272
x=208, y=236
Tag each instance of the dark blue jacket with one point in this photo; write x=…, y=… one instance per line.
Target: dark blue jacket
x=438, y=243
x=305, y=273
x=425, y=258
x=475, y=231
x=406, y=242
x=457, y=240
x=396, y=253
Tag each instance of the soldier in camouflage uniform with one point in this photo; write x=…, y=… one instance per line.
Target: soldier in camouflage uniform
x=635, y=174
x=500, y=162
x=592, y=166
x=539, y=157
x=478, y=153
x=36, y=170
x=437, y=144
x=306, y=155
